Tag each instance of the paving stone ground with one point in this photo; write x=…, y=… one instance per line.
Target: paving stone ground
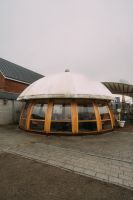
x=26, y=179
x=107, y=157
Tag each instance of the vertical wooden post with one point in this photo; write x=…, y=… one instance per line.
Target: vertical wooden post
x=20, y=119
x=29, y=111
x=98, y=118
x=48, y=117
x=111, y=116
x=74, y=117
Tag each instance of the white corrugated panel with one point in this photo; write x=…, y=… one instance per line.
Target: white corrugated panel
x=65, y=85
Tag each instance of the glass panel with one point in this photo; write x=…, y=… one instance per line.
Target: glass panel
x=61, y=127
x=103, y=111
x=87, y=126
x=61, y=112
x=86, y=112
x=36, y=125
x=106, y=125
x=39, y=111
x=24, y=112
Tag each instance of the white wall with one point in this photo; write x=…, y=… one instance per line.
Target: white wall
x=9, y=111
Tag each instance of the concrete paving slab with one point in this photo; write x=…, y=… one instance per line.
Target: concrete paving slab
x=107, y=157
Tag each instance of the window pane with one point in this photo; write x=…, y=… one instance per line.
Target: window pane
x=61, y=127
x=103, y=111
x=87, y=126
x=36, y=125
x=24, y=112
x=61, y=112
x=106, y=125
x=86, y=112
x=39, y=111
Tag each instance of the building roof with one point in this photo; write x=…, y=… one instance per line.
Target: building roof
x=120, y=88
x=15, y=72
x=8, y=95
x=65, y=85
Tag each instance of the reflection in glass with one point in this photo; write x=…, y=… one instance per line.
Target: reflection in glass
x=39, y=111
x=36, y=125
x=61, y=112
x=87, y=126
x=61, y=127
x=104, y=113
x=86, y=112
x=106, y=125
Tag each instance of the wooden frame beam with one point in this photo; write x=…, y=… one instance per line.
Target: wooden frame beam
x=111, y=115
x=48, y=115
x=74, y=112
x=29, y=111
x=98, y=118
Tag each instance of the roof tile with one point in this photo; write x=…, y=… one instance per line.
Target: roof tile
x=14, y=71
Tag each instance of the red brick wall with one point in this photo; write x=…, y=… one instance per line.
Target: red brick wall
x=14, y=86
x=2, y=82
x=11, y=86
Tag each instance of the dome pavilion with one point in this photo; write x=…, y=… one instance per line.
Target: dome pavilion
x=66, y=103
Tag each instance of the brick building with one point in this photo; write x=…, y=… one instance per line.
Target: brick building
x=13, y=80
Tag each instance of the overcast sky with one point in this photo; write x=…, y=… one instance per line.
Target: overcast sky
x=94, y=37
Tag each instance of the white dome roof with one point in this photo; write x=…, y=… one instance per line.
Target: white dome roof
x=65, y=85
